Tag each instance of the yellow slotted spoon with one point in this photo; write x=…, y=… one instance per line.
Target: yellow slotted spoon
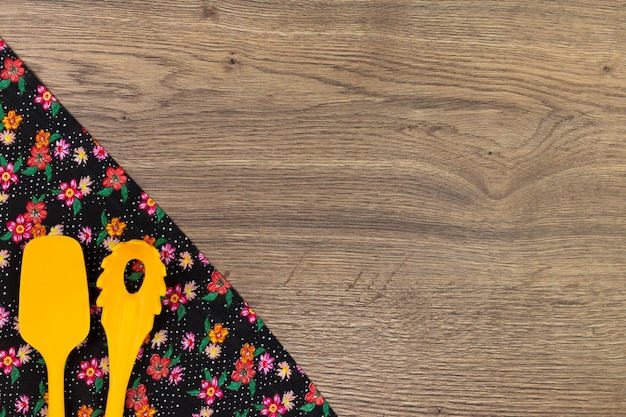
x=53, y=309
x=127, y=318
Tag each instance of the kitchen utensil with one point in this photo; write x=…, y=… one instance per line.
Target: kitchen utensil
x=127, y=318
x=53, y=309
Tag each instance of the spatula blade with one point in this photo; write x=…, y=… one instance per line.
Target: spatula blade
x=53, y=310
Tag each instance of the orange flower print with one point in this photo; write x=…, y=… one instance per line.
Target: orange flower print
x=247, y=352
x=218, y=333
x=12, y=120
x=38, y=230
x=149, y=239
x=84, y=411
x=42, y=139
x=115, y=227
x=145, y=411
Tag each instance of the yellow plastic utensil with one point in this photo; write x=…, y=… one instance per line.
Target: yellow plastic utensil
x=127, y=318
x=53, y=309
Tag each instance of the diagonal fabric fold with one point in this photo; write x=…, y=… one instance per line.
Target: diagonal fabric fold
x=208, y=353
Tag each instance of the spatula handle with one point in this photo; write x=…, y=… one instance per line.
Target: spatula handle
x=56, y=390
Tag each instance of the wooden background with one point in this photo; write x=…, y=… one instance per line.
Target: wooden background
x=424, y=200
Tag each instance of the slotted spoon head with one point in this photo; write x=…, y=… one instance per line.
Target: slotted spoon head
x=53, y=309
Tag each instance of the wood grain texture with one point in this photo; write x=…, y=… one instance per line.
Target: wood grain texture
x=423, y=200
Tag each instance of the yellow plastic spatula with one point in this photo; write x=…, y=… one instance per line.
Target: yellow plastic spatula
x=53, y=310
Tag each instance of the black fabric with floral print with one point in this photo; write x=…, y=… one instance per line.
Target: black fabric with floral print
x=208, y=353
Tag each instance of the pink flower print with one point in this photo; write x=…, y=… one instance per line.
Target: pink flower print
x=23, y=353
x=188, y=341
x=185, y=260
x=288, y=400
x=284, y=370
x=204, y=412
x=85, y=235
x=147, y=204
x=4, y=262
x=80, y=156
x=61, y=149
x=100, y=153
x=7, y=137
x=174, y=297
x=4, y=317
x=176, y=375
x=213, y=351
x=167, y=253
x=158, y=339
x=104, y=365
x=69, y=192
x=22, y=404
x=7, y=176
x=44, y=97
x=273, y=407
x=266, y=363
x=210, y=390
x=110, y=242
x=84, y=185
x=190, y=290
x=89, y=371
x=20, y=228
x=203, y=259
x=248, y=312
x=9, y=359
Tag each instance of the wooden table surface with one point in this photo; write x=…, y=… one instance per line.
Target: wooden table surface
x=424, y=200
